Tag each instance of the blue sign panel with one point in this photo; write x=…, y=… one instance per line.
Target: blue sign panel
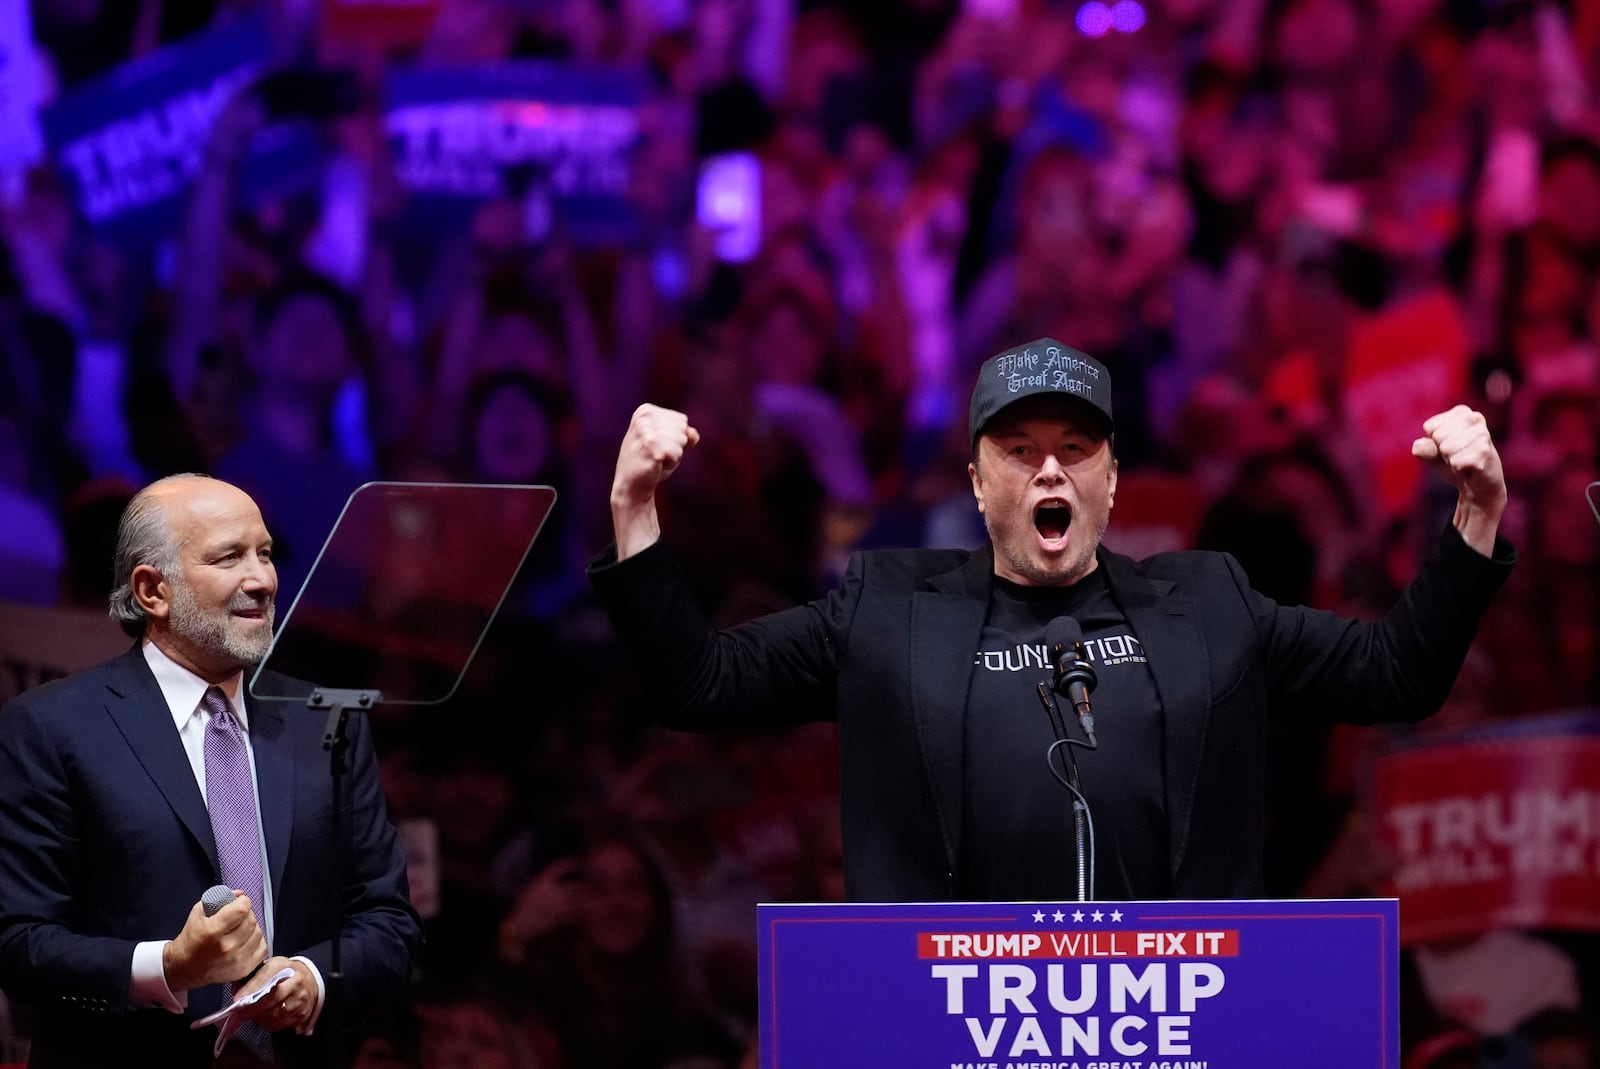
x=130, y=143
x=1124, y=985
x=559, y=136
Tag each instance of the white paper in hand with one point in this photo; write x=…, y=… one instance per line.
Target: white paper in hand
x=229, y=1014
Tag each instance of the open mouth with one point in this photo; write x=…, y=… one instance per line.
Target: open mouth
x=1052, y=519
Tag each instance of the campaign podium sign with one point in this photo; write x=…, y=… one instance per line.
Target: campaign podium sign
x=1129, y=985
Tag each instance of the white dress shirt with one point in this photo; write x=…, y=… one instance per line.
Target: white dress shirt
x=183, y=690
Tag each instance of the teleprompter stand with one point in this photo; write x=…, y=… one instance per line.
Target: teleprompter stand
x=392, y=613
x=338, y=703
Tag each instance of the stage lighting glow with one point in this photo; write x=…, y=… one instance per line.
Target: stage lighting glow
x=1094, y=19
x=1127, y=16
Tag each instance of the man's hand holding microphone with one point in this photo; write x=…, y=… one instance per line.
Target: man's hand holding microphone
x=219, y=944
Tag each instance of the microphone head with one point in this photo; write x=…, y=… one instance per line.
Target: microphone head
x=1062, y=636
x=215, y=898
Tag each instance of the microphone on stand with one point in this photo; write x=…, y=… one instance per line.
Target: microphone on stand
x=1074, y=675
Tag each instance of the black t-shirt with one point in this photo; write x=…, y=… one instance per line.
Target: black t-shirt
x=1018, y=838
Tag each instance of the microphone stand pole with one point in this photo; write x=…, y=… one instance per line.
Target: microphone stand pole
x=1080, y=810
x=1080, y=826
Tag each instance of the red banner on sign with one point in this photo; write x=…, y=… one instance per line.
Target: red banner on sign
x=1081, y=943
x=1495, y=832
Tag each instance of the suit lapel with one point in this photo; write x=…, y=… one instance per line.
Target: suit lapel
x=946, y=626
x=139, y=710
x=273, y=748
x=1175, y=645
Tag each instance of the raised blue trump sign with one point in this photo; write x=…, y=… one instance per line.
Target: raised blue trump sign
x=129, y=143
x=560, y=131
x=1125, y=985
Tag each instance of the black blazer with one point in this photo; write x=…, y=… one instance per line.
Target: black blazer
x=889, y=654
x=105, y=842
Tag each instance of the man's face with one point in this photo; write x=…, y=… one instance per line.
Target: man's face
x=220, y=604
x=1044, y=479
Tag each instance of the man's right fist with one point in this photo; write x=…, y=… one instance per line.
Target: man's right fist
x=218, y=949
x=651, y=451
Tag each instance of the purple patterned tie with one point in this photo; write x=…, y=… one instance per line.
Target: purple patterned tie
x=231, y=799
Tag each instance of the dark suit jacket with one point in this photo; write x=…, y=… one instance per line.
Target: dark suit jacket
x=105, y=842
x=890, y=655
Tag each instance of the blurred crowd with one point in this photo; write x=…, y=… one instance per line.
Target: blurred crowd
x=1223, y=200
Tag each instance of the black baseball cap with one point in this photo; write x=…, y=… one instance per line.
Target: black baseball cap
x=1041, y=367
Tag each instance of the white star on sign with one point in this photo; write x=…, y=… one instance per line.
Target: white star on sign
x=1058, y=916
x=1097, y=916
x=1116, y=914
x=1077, y=915
x=1038, y=915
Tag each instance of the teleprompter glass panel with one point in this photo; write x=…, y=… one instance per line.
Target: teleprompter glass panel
x=403, y=590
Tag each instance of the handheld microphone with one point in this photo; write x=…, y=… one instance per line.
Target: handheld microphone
x=215, y=898
x=1074, y=675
